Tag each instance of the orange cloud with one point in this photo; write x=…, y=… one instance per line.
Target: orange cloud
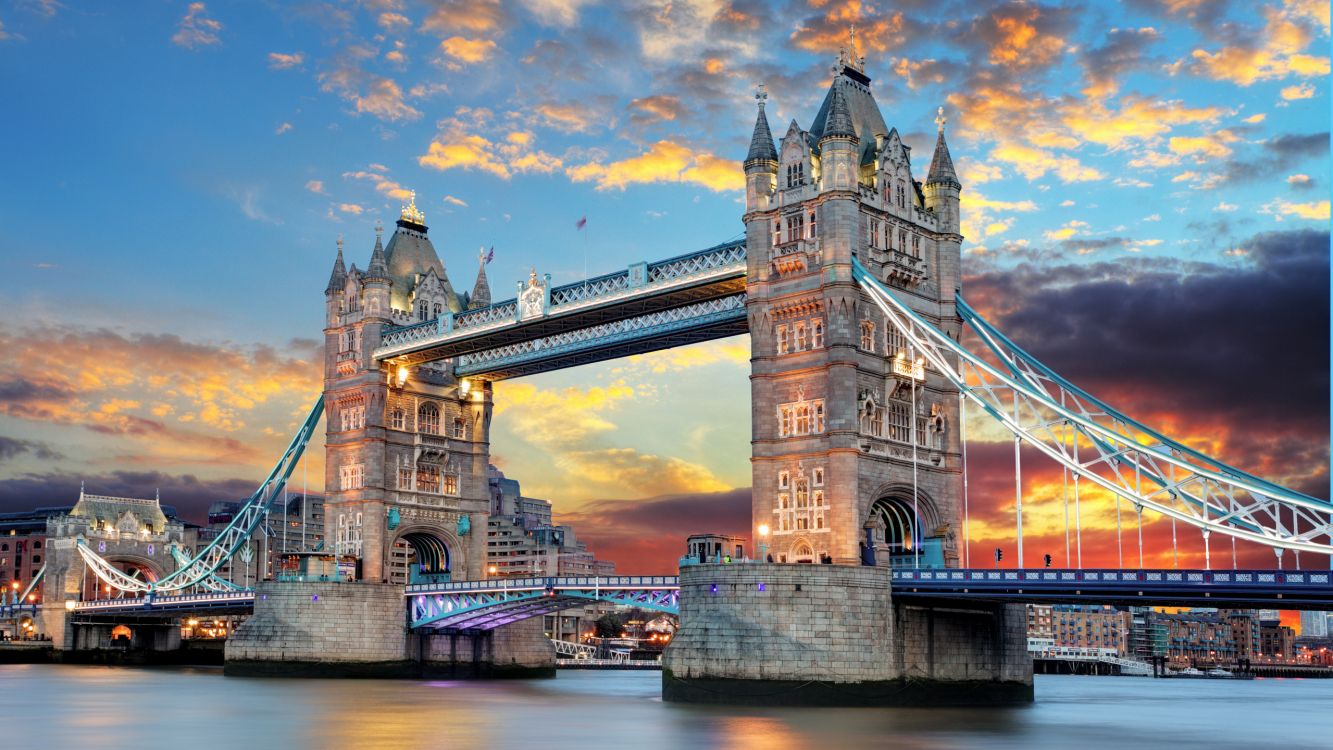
x=467, y=50
x=1034, y=163
x=1020, y=43
x=456, y=147
x=1278, y=53
x=657, y=107
x=283, y=61
x=381, y=183
x=471, y=16
x=665, y=161
x=1209, y=146
x=196, y=29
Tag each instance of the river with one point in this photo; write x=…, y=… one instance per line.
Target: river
x=47, y=706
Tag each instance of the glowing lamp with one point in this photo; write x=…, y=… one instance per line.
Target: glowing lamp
x=402, y=376
x=70, y=604
x=763, y=529
x=464, y=386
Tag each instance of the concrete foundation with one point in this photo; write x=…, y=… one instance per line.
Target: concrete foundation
x=772, y=634
x=359, y=630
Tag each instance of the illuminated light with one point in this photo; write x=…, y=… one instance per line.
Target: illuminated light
x=715, y=588
x=314, y=597
x=15, y=585
x=402, y=376
x=761, y=587
x=32, y=597
x=763, y=529
x=70, y=604
x=464, y=386
x=192, y=622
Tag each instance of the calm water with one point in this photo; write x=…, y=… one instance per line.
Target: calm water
x=95, y=707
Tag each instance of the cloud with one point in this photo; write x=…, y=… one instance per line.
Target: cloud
x=467, y=50
x=315, y=186
x=451, y=200
x=656, y=108
x=383, y=184
x=13, y=447
x=1273, y=53
x=458, y=146
x=1313, y=211
x=1300, y=91
x=1300, y=181
x=555, y=12
x=1204, y=148
x=196, y=29
x=664, y=162
x=285, y=127
x=1068, y=230
x=247, y=199
x=390, y=21
x=188, y=493
x=1034, y=163
x=1278, y=154
x=368, y=92
x=285, y=61
x=1107, y=65
x=351, y=208
x=651, y=532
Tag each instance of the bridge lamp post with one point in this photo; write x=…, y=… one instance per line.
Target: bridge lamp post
x=763, y=542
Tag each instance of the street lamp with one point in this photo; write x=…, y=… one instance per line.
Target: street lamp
x=763, y=542
x=492, y=570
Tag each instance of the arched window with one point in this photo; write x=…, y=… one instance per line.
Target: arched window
x=423, y=310
x=428, y=419
x=397, y=419
x=902, y=194
x=812, y=225
x=868, y=336
x=460, y=427
x=817, y=334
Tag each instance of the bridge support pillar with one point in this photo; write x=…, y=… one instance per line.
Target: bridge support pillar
x=520, y=649
x=832, y=635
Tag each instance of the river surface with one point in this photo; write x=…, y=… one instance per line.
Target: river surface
x=45, y=706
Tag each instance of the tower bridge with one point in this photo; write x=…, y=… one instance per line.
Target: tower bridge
x=863, y=350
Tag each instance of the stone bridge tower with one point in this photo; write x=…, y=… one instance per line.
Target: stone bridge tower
x=407, y=449
x=856, y=455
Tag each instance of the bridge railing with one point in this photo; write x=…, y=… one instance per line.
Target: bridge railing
x=636, y=279
x=558, y=582
x=1229, y=578
x=163, y=601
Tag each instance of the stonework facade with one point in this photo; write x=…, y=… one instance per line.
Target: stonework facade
x=843, y=408
x=406, y=448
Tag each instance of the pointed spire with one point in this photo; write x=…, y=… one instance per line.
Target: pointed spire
x=839, y=121
x=378, y=268
x=761, y=142
x=941, y=164
x=339, y=275
x=481, y=291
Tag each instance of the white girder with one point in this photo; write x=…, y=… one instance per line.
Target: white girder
x=1129, y=459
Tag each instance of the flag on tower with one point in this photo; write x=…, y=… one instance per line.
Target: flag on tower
x=581, y=223
x=491, y=255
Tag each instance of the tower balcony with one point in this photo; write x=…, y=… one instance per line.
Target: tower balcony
x=796, y=256
x=903, y=269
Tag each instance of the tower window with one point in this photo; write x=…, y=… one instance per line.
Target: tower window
x=795, y=227
x=795, y=174
x=423, y=310
x=868, y=336
x=351, y=477
x=800, y=336
x=783, y=342
x=874, y=232
x=812, y=225
x=397, y=420
x=460, y=428
x=428, y=419
x=817, y=333
x=902, y=194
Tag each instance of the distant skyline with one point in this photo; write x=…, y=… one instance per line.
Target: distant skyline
x=1145, y=201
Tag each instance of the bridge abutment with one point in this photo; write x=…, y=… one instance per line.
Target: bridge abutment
x=777, y=634
x=334, y=629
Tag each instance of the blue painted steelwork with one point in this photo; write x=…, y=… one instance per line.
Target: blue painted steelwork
x=1186, y=588
x=485, y=605
x=240, y=601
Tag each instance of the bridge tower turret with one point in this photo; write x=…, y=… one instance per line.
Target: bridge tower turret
x=855, y=453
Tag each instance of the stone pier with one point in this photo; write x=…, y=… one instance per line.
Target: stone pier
x=330, y=629
x=774, y=634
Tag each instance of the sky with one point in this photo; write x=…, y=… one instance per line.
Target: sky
x=1145, y=201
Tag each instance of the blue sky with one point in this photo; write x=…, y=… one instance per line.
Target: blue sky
x=175, y=178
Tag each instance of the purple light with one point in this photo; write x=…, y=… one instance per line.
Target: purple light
x=264, y=597
x=314, y=598
x=761, y=587
x=715, y=588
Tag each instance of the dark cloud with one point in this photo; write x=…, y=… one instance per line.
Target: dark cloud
x=189, y=494
x=648, y=536
x=1124, y=50
x=13, y=447
x=1278, y=155
x=1236, y=354
x=1206, y=17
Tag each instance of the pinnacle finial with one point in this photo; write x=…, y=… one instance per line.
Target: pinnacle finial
x=379, y=230
x=410, y=212
x=340, y=244
x=761, y=93
x=940, y=119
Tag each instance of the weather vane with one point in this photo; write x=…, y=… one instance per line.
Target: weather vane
x=940, y=119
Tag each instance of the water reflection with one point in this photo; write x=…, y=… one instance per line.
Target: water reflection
x=101, y=707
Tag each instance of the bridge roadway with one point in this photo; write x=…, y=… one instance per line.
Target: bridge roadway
x=490, y=603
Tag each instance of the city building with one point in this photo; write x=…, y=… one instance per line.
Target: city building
x=702, y=548
x=1314, y=624
x=22, y=549
x=522, y=540
x=1041, y=635
x=1089, y=626
x=293, y=525
x=1277, y=642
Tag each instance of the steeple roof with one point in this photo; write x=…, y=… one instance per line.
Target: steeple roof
x=410, y=255
x=761, y=142
x=867, y=120
x=941, y=164
x=379, y=267
x=481, y=291
x=839, y=120
x=339, y=276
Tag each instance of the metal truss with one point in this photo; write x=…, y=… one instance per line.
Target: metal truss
x=203, y=566
x=637, y=290
x=489, y=604
x=614, y=339
x=1102, y=445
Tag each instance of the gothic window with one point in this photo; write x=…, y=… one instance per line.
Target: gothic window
x=899, y=426
x=451, y=483
x=916, y=246
x=428, y=477
x=817, y=479
x=784, y=480
x=437, y=308
x=353, y=417
x=405, y=478
x=902, y=194
x=874, y=232
x=800, y=337
x=351, y=477
x=784, y=501
x=423, y=310
x=902, y=240
x=872, y=418
x=817, y=333
x=803, y=419
x=783, y=342
x=802, y=493
x=819, y=414
x=894, y=341
x=868, y=336
x=795, y=174
x=795, y=227
x=460, y=428
x=777, y=232
x=785, y=421
x=373, y=305
x=428, y=419
x=812, y=225
x=397, y=420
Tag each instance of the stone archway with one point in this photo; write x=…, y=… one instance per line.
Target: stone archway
x=899, y=530
x=136, y=567
x=802, y=551
x=422, y=554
